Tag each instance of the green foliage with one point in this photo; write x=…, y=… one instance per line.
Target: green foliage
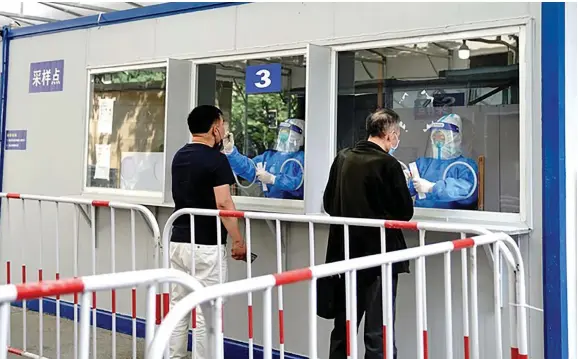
x=133, y=76
x=259, y=136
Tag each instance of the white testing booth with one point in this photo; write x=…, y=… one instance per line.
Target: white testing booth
x=110, y=132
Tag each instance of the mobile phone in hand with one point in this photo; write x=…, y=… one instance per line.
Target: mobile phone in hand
x=253, y=257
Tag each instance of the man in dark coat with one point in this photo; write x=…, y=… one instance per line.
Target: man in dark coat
x=366, y=181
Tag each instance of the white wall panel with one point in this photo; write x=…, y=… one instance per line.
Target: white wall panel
x=196, y=34
x=55, y=120
x=480, y=11
x=356, y=19
x=110, y=45
x=318, y=107
x=271, y=24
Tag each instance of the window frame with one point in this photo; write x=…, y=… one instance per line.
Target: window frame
x=529, y=128
x=527, y=113
x=245, y=202
x=118, y=192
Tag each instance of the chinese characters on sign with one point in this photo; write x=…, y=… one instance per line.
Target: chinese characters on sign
x=46, y=76
x=427, y=113
x=105, y=115
x=16, y=139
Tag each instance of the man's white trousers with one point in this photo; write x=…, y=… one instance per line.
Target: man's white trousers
x=206, y=270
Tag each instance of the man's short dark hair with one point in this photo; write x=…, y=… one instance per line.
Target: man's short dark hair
x=381, y=122
x=202, y=118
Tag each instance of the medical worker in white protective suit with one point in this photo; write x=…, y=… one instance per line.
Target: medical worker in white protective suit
x=279, y=170
x=459, y=189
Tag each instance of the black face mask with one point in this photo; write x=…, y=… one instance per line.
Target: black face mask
x=218, y=145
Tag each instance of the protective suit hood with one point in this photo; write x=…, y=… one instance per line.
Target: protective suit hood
x=291, y=135
x=446, y=137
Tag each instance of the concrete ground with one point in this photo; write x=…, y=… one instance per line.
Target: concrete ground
x=104, y=338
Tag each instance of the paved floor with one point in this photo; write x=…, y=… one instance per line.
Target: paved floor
x=104, y=338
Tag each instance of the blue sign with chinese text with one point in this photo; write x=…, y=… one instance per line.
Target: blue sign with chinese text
x=443, y=104
x=16, y=139
x=264, y=78
x=46, y=76
x=449, y=99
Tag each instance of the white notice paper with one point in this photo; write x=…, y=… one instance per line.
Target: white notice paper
x=102, y=167
x=105, y=115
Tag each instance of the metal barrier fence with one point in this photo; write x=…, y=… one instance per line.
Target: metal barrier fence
x=91, y=217
x=312, y=220
x=35, y=217
x=87, y=286
x=503, y=246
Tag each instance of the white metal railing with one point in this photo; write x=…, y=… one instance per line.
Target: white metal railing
x=50, y=209
x=503, y=246
x=86, y=286
x=90, y=214
x=421, y=227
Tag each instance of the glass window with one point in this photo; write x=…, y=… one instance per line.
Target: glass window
x=126, y=130
x=459, y=103
x=264, y=106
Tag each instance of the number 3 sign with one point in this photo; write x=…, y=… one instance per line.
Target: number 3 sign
x=263, y=78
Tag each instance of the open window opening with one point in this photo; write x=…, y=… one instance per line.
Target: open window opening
x=460, y=104
x=263, y=101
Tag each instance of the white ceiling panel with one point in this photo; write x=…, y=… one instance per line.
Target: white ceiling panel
x=21, y=14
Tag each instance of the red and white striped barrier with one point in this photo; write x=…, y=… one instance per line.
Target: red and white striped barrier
x=32, y=220
x=471, y=342
x=86, y=287
x=312, y=220
x=503, y=246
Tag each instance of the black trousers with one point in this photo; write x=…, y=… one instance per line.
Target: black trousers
x=368, y=303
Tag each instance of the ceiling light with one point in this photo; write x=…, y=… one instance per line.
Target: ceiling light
x=106, y=79
x=464, y=51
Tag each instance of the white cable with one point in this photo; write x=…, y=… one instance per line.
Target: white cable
x=302, y=170
x=252, y=182
x=527, y=306
x=280, y=170
x=470, y=168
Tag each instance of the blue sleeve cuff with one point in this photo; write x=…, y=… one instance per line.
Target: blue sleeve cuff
x=438, y=189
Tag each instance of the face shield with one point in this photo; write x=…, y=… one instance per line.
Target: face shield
x=445, y=137
x=290, y=136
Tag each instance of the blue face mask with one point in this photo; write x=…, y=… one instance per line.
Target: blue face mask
x=439, y=148
x=393, y=148
x=283, y=136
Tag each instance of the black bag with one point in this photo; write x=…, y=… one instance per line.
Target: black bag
x=330, y=291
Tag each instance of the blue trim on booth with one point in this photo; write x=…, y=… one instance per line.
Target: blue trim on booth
x=117, y=17
x=3, y=103
x=233, y=348
x=554, y=182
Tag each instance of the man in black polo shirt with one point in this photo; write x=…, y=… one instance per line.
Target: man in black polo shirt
x=201, y=178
